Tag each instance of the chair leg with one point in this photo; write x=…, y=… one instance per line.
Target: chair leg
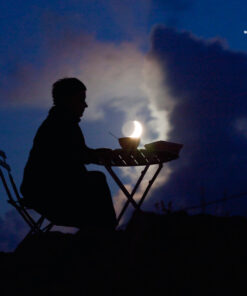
x=40, y=221
x=48, y=228
x=36, y=228
x=32, y=231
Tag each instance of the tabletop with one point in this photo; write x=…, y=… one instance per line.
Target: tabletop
x=138, y=157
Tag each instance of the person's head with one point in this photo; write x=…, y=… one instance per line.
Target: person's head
x=70, y=93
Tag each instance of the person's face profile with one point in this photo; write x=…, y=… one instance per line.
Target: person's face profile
x=78, y=103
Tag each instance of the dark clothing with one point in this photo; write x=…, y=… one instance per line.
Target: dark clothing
x=56, y=181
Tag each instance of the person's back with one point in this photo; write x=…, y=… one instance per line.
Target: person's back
x=55, y=158
x=55, y=179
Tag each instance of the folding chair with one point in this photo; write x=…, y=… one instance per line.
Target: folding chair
x=14, y=198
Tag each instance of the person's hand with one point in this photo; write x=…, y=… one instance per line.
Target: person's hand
x=104, y=154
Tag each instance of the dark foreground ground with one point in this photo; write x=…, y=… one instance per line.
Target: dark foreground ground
x=173, y=254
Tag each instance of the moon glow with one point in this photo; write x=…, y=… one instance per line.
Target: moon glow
x=137, y=130
x=132, y=129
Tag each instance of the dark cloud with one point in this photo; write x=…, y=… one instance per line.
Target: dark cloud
x=173, y=5
x=208, y=84
x=169, y=12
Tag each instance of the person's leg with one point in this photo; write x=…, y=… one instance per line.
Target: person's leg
x=101, y=200
x=84, y=204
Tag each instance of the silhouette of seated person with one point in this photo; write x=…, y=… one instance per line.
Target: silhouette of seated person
x=56, y=182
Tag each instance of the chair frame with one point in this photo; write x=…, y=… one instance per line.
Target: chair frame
x=16, y=200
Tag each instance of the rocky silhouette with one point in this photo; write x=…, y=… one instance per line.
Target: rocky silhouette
x=172, y=254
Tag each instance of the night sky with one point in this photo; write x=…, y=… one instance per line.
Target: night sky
x=177, y=66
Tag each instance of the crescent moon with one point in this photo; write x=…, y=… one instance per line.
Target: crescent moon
x=137, y=130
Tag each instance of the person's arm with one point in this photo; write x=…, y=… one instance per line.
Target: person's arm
x=96, y=155
x=90, y=155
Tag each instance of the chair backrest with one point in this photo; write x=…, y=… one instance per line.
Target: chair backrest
x=15, y=199
x=9, y=185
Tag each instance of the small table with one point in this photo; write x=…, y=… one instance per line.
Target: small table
x=140, y=157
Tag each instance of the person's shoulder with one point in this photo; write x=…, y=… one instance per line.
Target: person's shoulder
x=53, y=119
x=49, y=125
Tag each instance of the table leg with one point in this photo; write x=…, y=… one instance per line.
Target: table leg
x=132, y=193
x=130, y=196
x=150, y=183
x=120, y=184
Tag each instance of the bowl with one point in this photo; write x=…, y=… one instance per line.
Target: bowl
x=128, y=143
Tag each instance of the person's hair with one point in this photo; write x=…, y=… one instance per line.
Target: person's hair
x=64, y=88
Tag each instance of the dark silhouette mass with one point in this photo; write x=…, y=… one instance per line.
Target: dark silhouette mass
x=56, y=182
x=175, y=254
